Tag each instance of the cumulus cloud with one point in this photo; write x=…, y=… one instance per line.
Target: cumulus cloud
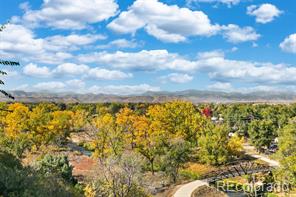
x=163, y=35
x=50, y=86
x=100, y=73
x=123, y=89
x=79, y=86
x=229, y=3
x=20, y=42
x=71, y=69
x=168, y=23
x=76, y=84
x=289, y=44
x=68, y=14
x=264, y=13
x=177, y=78
x=33, y=70
x=220, y=86
x=70, y=42
x=120, y=43
x=142, y=60
x=236, y=34
x=214, y=63
x=17, y=38
x=221, y=69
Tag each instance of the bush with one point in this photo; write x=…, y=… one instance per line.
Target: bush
x=16, y=180
x=55, y=165
x=122, y=177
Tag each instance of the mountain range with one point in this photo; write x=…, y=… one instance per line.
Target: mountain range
x=195, y=96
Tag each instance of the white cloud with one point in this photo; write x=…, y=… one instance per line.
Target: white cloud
x=163, y=35
x=75, y=70
x=100, y=73
x=70, y=42
x=211, y=54
x=263, y=88
x=23, y=87
x=142, y=60
x=20, y=42
x=264, y=13
x=76, y=84
x=69, y=14
x=220, y=86
x=25, y=6
x=71, y=69
x=120, y=43
x=213, y=63
x=86, y=72
x=79, y=86
x=18, y=39
x=123, y=89
x=33, y=70
x=177, y=78
x=227, y=2
x=54, y=86
x=236, y=34
x=233, y=49
x=289, y=44
x=168, y=23
x=220, y=68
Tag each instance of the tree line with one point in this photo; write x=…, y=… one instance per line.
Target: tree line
x=144, y=138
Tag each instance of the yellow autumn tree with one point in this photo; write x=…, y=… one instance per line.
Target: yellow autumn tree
x=235, y=145
x=89, y=191
x=79, y=118
x=60, y=125
x=16, y=121
x=148, y=139
x=124, y=119
x=109, y=139
x=3, y=113
x=178, y=118
x=39, y=119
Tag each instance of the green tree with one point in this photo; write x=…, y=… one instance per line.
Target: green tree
x=17, y=180
x=176, y=155
x=261, y=133
x=213, y=145
x=287, y=152
x=57, y=165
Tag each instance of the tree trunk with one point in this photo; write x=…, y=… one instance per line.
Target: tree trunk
x=152, y=166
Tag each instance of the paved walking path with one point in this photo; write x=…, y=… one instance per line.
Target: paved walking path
x=187, y=189
x=250, y=150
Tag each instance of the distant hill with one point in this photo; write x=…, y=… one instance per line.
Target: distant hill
x=196, y=96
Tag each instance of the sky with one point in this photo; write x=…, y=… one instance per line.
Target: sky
x=133, y=46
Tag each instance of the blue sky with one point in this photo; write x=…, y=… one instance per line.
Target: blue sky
x=134, y=46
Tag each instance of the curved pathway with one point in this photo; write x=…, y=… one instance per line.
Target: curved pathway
x=250, y=150
x=187, y=189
